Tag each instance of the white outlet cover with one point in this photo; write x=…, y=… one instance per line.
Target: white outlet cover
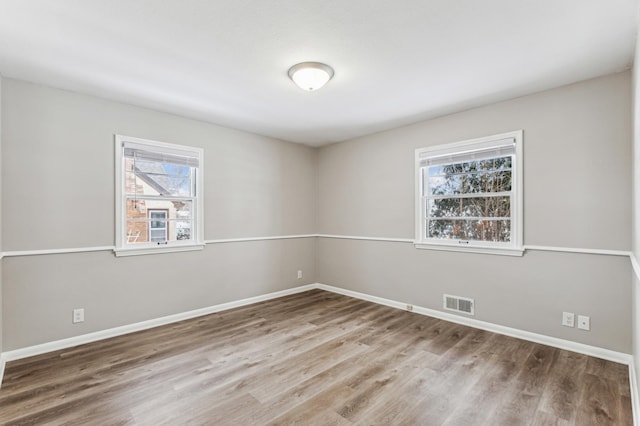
x=568, y=319
x=78, y=315
x=584, y=322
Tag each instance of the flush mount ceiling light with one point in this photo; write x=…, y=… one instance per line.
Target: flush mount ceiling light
x=310, y=76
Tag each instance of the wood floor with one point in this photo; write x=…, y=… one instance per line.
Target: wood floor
x=315, y=358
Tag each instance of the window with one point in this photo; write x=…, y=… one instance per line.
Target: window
x=159, y=197
x=469, y=195
x=158, y=225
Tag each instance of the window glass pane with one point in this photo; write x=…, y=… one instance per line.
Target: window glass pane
x=493, y=175
x=175, y=209
x=473, y=230
x=144, y=231
x=183, y=209
x=183, y=230
x=461, y=218
x=158, y=234
x=136, y=232
x=159, y=220
x=468, y=194
x=178, y=180
x=159, y=189
x=144, y=177
x=470, y=207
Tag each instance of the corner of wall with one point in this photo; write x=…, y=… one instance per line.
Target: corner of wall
x=316, y=208
x=635, y=224
x=1, y=334
x=635, y=151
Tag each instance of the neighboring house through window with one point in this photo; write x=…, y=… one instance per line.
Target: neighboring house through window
x=469, y=195
x=159, y=197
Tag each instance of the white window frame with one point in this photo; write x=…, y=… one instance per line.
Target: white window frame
x=122, y=248
x=513, y=248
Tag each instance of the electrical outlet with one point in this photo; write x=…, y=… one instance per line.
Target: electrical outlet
x=78, y=315
x=584, y=322
x=299, y=274
x=568, y=319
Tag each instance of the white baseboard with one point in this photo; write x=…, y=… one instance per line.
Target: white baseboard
x=144, y=325
x=2, y=364
x=495, y=328
x=594, y=351
x=597, y=352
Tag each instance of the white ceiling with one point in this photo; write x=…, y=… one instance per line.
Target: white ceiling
x=396, y=62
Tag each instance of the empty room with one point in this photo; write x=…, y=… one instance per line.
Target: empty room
x=319, y=212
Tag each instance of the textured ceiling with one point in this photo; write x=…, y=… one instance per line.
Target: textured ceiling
x=396, y=62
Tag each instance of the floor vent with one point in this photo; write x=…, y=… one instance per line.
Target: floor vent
x=458, y=304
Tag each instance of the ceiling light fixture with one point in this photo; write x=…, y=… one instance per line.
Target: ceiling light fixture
x=310, y=76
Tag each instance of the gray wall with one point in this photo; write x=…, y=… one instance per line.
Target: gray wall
x=41, y=291
x=59, y=161
x=58, y=192
x=636, y=206
x=58, y=189
x=577, y=181
x=1, y=311
x=636, y=151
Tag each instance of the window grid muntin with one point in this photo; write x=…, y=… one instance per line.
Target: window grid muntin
x=153, y=225
x=427, y=196
x=506, y=144
x=125, y=244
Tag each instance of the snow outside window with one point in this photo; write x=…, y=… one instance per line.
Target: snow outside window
x=469, y=195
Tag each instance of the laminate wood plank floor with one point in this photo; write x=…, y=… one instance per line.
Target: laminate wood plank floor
x=314, y=358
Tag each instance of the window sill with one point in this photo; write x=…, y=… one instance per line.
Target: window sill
x=502, y=251
x=120, y=252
